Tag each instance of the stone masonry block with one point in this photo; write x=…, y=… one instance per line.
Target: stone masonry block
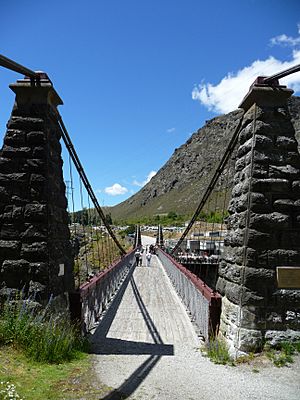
x=8, y=165
x=244, y=148
x=39, y=152
x=4, y=195
x=10, y=248
x=296, y=187
x=286, y=143
x=271, y=185
x=10, y=231
x=250, y=340
x=15, y=137
x=290, y=239
x=269, y=222
x=230, y=311
x=285, y=205
x=36, y=138
x=15, y=152
x=14, y=273
x=36, y=212
x=35, y=166
x=231, y=272
x=25, y=123
x=39, y=272
x=283, y=172
x=34, y=232
x=37, y=251
x=258, y=280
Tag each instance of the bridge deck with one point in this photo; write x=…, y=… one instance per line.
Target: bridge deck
x=147, y=312
x=145, y=348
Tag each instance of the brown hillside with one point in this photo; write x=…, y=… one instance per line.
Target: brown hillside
x=179, y=184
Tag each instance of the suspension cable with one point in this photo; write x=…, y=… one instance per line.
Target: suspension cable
x=213, y=181
x=80, y=170
x=13, y=66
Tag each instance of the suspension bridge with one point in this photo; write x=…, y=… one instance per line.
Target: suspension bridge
x=235, y=269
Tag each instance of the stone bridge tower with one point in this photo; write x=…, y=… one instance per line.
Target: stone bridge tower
x=263, y=226
x=35, y=250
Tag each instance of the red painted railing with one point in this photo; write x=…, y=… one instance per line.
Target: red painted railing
x=96, y=294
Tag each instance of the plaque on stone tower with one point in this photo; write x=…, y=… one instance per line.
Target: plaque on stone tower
x=288, y=277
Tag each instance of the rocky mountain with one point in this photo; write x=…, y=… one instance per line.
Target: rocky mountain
x=179, y=184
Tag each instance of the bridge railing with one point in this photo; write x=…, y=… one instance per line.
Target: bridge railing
x=95, y=295
x=203, y=303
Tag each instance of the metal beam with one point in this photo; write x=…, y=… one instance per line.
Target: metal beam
x=281, y=74
x=13, y=66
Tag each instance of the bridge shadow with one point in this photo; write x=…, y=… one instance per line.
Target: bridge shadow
x=106, y=346
x=106, y=321
x=132, y=383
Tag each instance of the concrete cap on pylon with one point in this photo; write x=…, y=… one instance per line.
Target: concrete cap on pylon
x=265, y=95
x=39, y=91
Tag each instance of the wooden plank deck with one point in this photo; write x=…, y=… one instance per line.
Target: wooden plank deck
x=148, y=312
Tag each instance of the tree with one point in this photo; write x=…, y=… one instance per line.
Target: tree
x=108, y=219
x=172, y=215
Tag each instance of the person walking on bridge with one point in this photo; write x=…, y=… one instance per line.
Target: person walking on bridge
x=148, y=258
x=137, y=256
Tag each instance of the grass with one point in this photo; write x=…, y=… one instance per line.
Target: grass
x=282, y=355
x=217, y=351
x=43, y=356
x=41, y=335
x=41, y=381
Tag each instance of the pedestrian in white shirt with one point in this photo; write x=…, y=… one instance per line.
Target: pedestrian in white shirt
x=148, y=258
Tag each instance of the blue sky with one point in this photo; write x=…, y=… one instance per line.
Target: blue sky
x=138, y=77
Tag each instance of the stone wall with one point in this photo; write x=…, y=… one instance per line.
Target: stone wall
x=35, y=251
x=264, y=227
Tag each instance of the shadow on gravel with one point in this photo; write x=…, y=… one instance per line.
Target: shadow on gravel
x=133, y=382
x=126, y=347
x=103, y=345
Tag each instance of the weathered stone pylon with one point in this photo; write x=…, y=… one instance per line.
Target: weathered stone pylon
x=160, y=237
x=137, y=237
x=35, y=250
x=263, y=226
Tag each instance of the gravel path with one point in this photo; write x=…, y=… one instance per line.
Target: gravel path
x=146, y=348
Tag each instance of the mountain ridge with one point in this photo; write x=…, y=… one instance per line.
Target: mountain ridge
x=180, y=182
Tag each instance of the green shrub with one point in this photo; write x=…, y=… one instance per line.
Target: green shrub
x=41, y=335
x=218, y=352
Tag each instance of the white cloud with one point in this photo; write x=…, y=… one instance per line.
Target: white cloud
x=149, y=176
x=284, y=40
x=115, y=190
x=171, y=130
x=229, y=92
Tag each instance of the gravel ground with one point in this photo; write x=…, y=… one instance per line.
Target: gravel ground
x=190, y=376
